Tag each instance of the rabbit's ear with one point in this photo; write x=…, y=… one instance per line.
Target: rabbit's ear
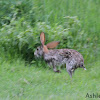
x=52, y=44
x=42, y=38
x=45, y=49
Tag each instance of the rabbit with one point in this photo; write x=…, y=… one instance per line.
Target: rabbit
x=56, y=57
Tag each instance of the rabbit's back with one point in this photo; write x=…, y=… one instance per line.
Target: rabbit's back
x=63, y=56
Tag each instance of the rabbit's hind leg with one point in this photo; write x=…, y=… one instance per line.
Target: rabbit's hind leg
x=68, y=67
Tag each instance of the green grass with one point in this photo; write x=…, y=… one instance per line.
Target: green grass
x=20, y=82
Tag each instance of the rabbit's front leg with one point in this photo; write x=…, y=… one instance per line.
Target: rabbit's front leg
x=54, y=67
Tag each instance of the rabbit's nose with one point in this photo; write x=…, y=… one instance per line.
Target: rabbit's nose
x=34, y=53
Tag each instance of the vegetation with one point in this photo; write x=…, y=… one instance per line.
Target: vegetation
x=20, y=82
x=75, y=23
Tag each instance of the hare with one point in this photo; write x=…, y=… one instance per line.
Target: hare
x=56, y=57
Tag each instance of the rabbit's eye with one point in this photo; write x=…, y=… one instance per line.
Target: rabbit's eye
x=37, y=49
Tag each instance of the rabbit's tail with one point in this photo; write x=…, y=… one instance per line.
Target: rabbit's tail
x=84, y=68
x=82, y=65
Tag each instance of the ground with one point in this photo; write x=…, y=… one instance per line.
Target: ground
x=26, y=82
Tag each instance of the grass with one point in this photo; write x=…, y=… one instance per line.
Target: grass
x=20, y=82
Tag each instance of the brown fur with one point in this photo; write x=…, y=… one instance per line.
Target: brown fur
x=56, y=57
